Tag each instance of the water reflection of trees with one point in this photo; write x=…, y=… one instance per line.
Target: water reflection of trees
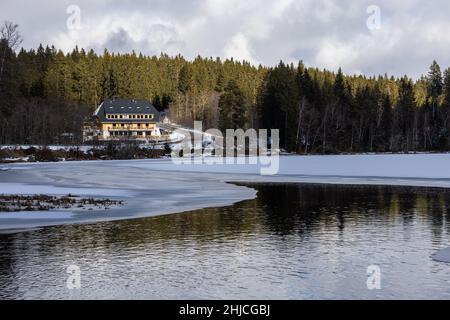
x=281, y=209
x=303, y=209
x=295, y=209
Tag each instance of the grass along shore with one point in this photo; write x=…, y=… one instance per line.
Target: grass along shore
x=30, y=203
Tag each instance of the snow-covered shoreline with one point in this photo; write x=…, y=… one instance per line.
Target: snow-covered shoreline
x=157, y=187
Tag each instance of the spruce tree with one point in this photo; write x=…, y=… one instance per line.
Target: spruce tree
x=232, y=107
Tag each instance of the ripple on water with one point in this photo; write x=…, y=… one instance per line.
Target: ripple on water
x=292, y=242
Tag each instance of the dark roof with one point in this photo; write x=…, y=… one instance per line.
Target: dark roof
x=123, y=106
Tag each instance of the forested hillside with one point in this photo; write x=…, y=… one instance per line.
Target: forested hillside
x=45, y=95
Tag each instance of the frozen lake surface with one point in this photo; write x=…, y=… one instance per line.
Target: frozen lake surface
x=155, y=187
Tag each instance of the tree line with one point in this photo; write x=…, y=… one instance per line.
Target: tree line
x=45, y=94
x=324, y=112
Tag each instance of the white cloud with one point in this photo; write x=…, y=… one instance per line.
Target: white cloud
x=239, y=49
x=323, y=33
x=334, y=54
x=123, y=34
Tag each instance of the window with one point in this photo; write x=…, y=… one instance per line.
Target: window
x=114, y=125
x=147, y=125
x=122, y=125
x=121, y=116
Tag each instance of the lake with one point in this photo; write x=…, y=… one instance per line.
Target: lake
x=295, y=241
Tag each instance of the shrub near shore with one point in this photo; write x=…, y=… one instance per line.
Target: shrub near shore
x=113, y=151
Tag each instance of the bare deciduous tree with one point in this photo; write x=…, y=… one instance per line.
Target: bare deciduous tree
x=10, y=38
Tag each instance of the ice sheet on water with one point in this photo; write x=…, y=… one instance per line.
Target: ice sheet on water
x=27, y=215
x=424, y=166
x=442, y=256
x=30, y=189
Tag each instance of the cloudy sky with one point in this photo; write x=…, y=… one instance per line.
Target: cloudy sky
x=323, y=33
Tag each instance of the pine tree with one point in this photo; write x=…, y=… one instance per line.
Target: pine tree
x=435, y=81
x=406, y=107
x=446, y=89
x=385, y=125
x=446, y=111
x=220, y=85
x=434, y=118
x=185, y=80
x=232, y=107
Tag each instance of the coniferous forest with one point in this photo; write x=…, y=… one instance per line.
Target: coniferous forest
x=46, y=94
